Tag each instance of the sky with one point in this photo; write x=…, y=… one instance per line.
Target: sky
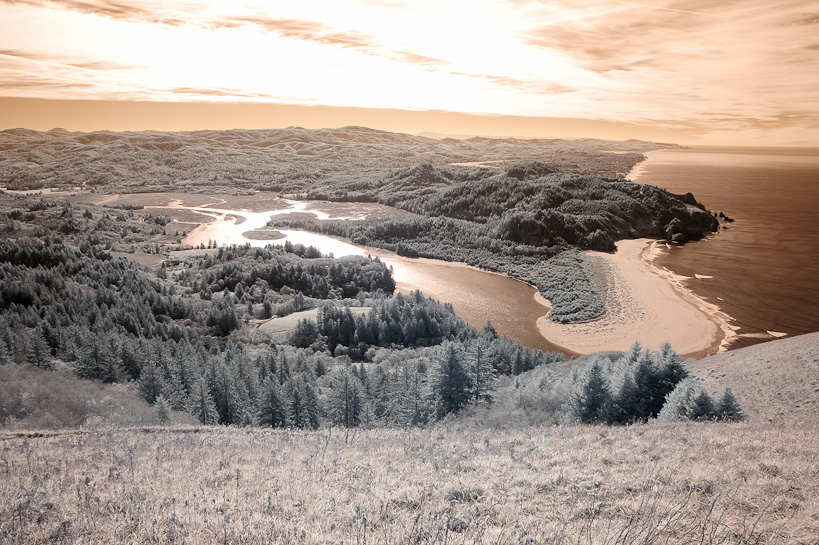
x=742, y=72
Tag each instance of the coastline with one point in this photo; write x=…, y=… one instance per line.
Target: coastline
x=644, y=304
x=638, y=169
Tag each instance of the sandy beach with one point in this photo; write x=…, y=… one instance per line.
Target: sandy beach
x=645, y=304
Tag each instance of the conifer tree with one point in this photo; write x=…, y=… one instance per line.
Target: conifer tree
x=671, y=366
x=201, y=404
x=346, y=399
x=162, y=410
x=624, y=399
x=727, y=407
x=650, y=394
x=38, y=353
x=304, y=409
x=688, y=401
x=450, y=382
x=272, y=411
x=591, y=399
x=482, y=371
x=151, y=383
x=97, y=360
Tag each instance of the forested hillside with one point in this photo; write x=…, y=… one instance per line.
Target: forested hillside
x=527, y=220
x=187, y=334
x=290, y=160
x=521, y=207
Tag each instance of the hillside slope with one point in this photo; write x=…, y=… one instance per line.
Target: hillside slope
x=777, y=381
x=271, y=159
x=675, y=484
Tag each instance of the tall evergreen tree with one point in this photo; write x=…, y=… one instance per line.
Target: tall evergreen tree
x=688, y=401
x=201, y=404
x=151, y=383
x=591, y=399
x=450, y=383
x=162, y=410
x=272, y=410
x=346, y=400
x=38, y=352
x=481, y=370
x=727, y=407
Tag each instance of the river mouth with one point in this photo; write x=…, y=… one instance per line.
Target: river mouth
x=514, y=307
x=477, y=296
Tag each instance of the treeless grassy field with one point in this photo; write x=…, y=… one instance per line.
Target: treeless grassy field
x=681, y=484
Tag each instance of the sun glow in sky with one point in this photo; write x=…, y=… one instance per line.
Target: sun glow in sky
x=743, y=71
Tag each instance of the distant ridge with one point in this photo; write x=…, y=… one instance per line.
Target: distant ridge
x=261, y=159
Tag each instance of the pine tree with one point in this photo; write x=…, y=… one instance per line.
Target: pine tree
x=151, y=383
x=450, y=382
x=97, y=360
x=688, y=401
x=230, y=396
x=304, y=409
x=38, y=353
x=481, y=371
x=346, y=400
x=671, y=366
x=591, y=399
x=201, y=404
x=162, y=410
x=624, y=399
x=648, y=383
x=272, y=411
x=727, y=407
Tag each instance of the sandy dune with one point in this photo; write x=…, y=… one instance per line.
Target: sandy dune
x=643, y=304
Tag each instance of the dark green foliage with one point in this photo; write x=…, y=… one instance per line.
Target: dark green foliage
x=450, y=382
x=481, y=369
x=591, y=400
x=304, y=406
x=201, y=404
x=272, y=409
x=516, y=221
x=183, y=341
x=688, y=401
x=346, y=401
x=642, y=385
x=38, y=352
x=726, y=407
x=162, y=410
x=222, y=316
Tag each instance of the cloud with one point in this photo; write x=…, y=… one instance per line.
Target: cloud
x=693, y=63
x=199, y=91
x=114, y=10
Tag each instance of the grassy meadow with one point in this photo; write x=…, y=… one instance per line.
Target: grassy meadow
x=749, y=483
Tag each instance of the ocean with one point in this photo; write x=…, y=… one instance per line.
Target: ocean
x=763, y=268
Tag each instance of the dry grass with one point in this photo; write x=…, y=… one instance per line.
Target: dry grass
x=776, y=381
x=682, y=483
x=289, y=322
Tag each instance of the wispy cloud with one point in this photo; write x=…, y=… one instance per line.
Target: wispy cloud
x=736, y=66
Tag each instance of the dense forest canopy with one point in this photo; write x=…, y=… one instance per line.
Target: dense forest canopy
x=527, y=220
x=190, y=335
x=521, y=207
x=290, y=160
x=187, y=335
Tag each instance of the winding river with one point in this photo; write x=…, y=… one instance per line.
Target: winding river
x=476, y=295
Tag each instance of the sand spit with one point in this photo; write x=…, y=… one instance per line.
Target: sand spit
x=643, y=303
